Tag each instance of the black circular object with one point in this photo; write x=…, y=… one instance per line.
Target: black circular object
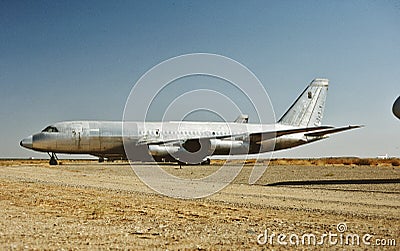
x=396, y=108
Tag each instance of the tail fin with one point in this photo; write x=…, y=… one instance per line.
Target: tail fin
x=308, y=109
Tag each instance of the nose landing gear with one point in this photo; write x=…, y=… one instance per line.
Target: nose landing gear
x=53, y=159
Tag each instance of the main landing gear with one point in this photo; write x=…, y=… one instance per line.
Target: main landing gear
x=53, y=159
x=205, y=162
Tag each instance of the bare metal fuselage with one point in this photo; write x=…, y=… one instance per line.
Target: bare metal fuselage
x=106, y=138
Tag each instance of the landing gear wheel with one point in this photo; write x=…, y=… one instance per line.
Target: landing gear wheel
x=206, y=162
x=53, y=160
x=101, y=160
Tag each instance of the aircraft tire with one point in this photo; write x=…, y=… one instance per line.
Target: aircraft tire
x=206, y=162
x=53, y=161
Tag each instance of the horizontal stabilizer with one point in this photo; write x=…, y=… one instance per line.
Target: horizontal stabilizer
x=243, y=118
x=330, y=131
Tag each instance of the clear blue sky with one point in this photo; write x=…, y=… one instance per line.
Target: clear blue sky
x=72, y=60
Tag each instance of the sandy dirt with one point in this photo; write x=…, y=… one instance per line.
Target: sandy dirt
x=105, y=206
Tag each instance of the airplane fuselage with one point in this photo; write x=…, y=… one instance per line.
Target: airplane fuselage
x=106, y=138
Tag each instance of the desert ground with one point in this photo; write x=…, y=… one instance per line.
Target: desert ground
x=89, y=205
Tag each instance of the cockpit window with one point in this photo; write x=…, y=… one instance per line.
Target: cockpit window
x=50, y=129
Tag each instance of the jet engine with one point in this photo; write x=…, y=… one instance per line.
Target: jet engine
x=163, y=150
x=224, y=146
x=195, y=151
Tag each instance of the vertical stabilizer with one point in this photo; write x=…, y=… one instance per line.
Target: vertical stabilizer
x=308, y=109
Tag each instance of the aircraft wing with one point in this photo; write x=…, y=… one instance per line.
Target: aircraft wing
x=254, y=137
x=158, y=141
x=330, y=131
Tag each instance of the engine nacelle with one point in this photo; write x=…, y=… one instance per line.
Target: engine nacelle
x=197, y=146
x=163, y=150
x=194, y=151
x=229, y=146
x=288, y=142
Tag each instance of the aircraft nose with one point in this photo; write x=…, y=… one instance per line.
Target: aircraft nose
x=27, y=142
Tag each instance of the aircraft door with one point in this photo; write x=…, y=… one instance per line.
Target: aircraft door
x=76, y=131
x=80, y=137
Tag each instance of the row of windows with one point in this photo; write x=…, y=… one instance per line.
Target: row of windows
x=193, y=133
x=157, y=132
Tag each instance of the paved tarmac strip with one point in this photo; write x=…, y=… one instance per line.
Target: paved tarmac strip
x=88, y=205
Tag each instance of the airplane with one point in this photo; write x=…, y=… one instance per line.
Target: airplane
x=189, y=142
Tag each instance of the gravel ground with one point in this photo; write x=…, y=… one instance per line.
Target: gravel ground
x=105, y=206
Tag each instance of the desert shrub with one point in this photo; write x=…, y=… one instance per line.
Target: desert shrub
x=334, y=161
x=320, y=162
x=395, y=162
x=364, y=162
